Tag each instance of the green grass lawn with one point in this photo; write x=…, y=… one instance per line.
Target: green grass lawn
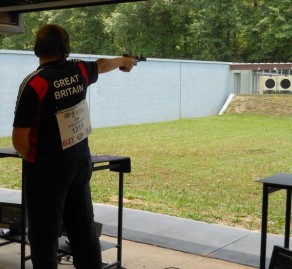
x=203, y=169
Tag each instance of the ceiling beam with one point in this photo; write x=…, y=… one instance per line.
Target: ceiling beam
x=29, y=6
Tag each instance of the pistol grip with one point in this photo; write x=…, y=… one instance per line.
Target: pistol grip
x=124, y=69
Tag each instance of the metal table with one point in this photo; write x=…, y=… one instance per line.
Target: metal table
x=119, y=164
x=270, y=185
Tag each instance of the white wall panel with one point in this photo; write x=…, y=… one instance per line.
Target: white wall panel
x=154, y=91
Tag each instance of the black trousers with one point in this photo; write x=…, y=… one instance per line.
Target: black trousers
x=58, y=192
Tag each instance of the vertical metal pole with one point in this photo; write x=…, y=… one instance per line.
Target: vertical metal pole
x=120, y=219
x=264, y=227
x=288, y=219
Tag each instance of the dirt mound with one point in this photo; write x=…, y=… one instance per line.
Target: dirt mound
x=271, y=104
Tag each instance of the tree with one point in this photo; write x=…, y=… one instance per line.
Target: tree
x=219, y=30
x=213, y=33
x=86, y=28
x=268, y=32
x=25, y=40
x=154, y=28
x=84, y=25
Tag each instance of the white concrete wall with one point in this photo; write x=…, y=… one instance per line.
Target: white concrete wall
x=205, y=88
x=156, y=90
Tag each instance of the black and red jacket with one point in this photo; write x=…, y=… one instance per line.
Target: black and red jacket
x=54, y=86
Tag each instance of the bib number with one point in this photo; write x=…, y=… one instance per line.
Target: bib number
x=74, y=124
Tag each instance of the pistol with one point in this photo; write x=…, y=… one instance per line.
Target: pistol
x=137, y=58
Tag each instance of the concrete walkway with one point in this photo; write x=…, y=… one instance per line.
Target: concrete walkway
x=238, y=246
x=159, y=241
x=135, y=256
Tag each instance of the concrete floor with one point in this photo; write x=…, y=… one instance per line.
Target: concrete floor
x=135, y=256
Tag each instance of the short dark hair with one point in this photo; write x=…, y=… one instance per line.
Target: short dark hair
x=52, y=40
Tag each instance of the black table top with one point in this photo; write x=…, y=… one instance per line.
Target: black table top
x=116, y=163
x=278, y=180
x=8, y=152
x=120, y=163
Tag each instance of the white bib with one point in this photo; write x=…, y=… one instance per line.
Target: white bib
x=74, y=124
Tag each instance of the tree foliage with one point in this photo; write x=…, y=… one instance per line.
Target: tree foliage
x=221, y=30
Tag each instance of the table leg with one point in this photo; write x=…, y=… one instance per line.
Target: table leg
x=120, y=219
x=288, y=219
x=264, y=228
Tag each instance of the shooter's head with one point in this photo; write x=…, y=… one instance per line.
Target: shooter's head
x=52, y=40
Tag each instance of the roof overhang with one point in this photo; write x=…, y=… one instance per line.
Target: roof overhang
x=261, y=66
x=22, y=6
